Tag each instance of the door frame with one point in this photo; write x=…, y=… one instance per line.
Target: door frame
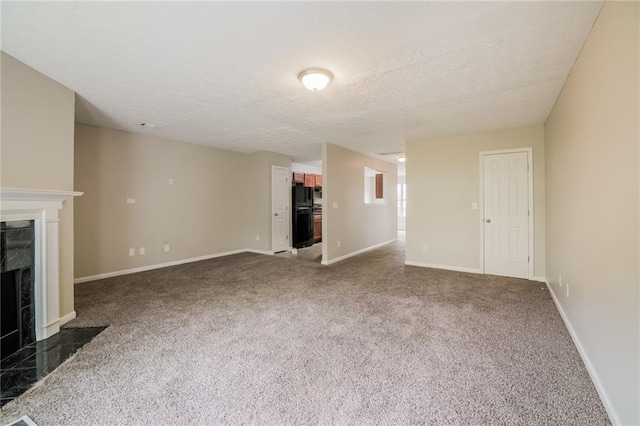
x=288, y=198
x=529, y=151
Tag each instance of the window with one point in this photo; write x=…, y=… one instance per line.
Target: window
x=373, y=186
x=402, y=200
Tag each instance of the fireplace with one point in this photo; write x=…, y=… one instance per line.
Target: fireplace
x=17, y=265
x=30, y=265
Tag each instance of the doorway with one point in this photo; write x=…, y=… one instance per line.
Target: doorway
x=506, y=193
x=305, y=196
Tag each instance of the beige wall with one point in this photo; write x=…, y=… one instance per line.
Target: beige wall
x=258, y=198
x=37, y=148
x=443, y=179
x=219, y=202
x=357, y=226
x=592, y=141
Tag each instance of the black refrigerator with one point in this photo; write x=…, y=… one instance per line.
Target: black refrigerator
x=302, y=202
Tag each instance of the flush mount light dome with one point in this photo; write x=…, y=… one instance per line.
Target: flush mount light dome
x=402, y=159
x=315, y=78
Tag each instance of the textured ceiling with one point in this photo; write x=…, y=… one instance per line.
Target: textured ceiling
x=225, y=74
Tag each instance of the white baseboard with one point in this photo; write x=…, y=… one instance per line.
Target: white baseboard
x=445, y=267
x=615, y=420
x=539, y=279
x=267, y=252
x=162, y=265
x=355, y=253
x=66, y=318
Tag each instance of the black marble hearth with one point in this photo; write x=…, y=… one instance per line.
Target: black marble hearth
x=17, y=293
x=32, y=363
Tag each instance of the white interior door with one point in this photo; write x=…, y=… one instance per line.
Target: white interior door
x=280, y=194
x=506, y=214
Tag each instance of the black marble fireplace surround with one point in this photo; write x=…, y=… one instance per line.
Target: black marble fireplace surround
x=17, y=298
x=23, y=361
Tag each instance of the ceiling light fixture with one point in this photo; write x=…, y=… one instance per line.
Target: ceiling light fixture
x=315, y=79
x=402, y=159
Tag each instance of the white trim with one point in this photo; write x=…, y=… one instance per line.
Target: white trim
x=20, y=194
x=152, y=267
x=66, y=318
x=41, y=206
x=445, y=267
x=24, y=419
x=265, y=252
x=273, y=230
x=539, y=279
x=531, y=208
x=166, y=264
x=606, y=401
x=357, y=252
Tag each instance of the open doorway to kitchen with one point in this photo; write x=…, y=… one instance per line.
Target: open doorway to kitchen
x=306, y=212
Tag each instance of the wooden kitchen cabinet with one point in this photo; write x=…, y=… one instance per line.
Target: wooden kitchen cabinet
x=317, y=228
x=309, y=180
x=379, y=186
x=298, y=178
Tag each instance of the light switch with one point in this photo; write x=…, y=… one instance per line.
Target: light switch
x=131, y=200
x=132, y=252
x=474, y=206
x=335, y=204
x=170, y=181
x=141, y=251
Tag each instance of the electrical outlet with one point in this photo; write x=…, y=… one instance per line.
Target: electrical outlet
x=567, y=284
x=141, y=251
x=425, y=248
x=132, y=252
x=339, y=244
x=560, y=280
x=167, y=248
x=257, y=237
x=474, y=206
x=170, y=181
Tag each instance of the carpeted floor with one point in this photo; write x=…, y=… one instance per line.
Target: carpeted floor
x=269, y=340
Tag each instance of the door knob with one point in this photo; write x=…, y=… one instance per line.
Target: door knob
x=488, y=220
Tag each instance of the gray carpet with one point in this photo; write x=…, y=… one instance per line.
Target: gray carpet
x=269, y=340
x=306, y=254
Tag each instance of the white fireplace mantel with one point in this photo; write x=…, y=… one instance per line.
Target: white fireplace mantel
x=41, y=206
